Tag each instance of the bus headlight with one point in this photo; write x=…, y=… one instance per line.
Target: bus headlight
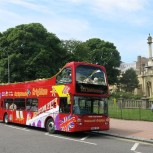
x=107, y=121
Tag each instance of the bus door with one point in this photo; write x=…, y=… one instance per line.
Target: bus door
x=64, y=114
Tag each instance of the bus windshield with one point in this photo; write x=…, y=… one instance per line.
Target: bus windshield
x=90, y=106
x=90, y=75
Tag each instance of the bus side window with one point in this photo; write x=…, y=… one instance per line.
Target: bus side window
x=19, y=104
x=64, y=106
x=32, y=104
x=64, y=77
x=8, y=103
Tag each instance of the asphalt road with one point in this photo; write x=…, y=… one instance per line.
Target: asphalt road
x=22, y=139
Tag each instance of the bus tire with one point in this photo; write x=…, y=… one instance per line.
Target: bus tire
x=6, y=118
x=50, y=126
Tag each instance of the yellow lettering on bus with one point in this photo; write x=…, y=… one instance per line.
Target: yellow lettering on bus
x=39, y=92
x=20, y=94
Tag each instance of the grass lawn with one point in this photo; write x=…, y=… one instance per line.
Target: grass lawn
x=130, y=114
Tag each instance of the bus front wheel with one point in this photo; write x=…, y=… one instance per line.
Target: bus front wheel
x=50, y=126
x=6, y=118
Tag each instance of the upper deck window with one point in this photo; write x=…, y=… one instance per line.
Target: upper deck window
x=90, y=75
x=65, y=77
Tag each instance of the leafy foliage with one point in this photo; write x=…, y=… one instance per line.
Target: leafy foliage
x=32, y=51
x=35, y=53
x=96, y=51
x=76, y=50
x=125, y=95
x=129, y=80
x=105, y=53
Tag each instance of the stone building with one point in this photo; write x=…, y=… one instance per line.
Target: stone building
x=144, y=69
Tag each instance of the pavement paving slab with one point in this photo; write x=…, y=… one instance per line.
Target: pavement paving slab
x=131, y=129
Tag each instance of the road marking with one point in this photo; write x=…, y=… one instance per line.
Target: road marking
x=85, y=138
x=23, y=129
x=70, y=139
x=134, y=146
x=131, y=140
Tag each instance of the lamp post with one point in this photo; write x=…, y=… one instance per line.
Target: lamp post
x=8, y=67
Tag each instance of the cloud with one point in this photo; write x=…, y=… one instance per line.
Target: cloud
x=121, y=5
x=67, y=28
x=59, y=22
x=126, y=23
x=31, y=5
x=130, y=11
x=75, y=1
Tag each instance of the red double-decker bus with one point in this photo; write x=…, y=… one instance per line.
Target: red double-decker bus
x=75, y=99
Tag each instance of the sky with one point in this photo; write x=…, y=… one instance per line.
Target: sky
x=125, y=23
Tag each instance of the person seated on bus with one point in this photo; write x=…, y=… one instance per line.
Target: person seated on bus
x=88, y=80
x=95, y=80
x=13, y=106
x=67, y=78
x=34, y=108
x=28, y=107
x=7, y=106
x=76, y=109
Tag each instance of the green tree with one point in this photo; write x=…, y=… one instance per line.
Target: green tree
x=129, y=80
x=96, y=51
x=76, y=50
x=32, y=51
x=104, y=53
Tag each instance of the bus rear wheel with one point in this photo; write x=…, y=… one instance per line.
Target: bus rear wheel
x=50, y=126
x=6, y=118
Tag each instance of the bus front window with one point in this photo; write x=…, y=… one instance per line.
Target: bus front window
x=90, y=75
x=90, y=106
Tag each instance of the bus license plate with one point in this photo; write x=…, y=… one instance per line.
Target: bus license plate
x=94, y=128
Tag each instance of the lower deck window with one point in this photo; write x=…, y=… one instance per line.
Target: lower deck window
x=90, y=105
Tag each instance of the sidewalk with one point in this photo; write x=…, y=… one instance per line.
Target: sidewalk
x=136, y=130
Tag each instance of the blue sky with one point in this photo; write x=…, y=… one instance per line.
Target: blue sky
x=126, y=23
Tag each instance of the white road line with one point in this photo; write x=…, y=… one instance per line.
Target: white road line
x=134, y=146
x=84, y=138
x=23, y=129
x=70, y=139
x=130, y=140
